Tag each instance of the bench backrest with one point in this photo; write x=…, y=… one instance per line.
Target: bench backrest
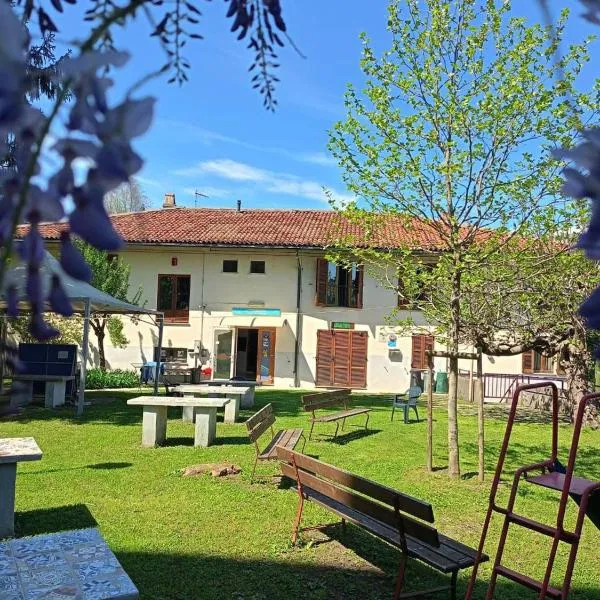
x=405, y=513
x=332, y=399
x=259, y=422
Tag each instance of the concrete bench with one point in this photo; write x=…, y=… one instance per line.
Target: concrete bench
x=70, y=564
x=154, y=423
x=55, y=389
x=234, y=393
x=12, y=451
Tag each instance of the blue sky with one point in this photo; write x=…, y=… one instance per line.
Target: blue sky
x=212, y=134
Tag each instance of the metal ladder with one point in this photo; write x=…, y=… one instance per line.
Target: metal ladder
x=585, y=492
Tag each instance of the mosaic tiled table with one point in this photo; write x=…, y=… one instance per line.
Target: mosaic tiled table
x=12, y=451
x=71, y=565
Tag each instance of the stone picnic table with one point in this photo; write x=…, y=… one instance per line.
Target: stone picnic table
x=69, y=565
x=12, y=451
x=247, y=400
x=55, y=389
x=154, y=422
x=234, y=393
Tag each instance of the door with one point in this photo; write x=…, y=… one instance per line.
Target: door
x=342, y=358
x=265, y=361
x=222, y=354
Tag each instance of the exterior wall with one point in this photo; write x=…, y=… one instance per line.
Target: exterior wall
x=218, y=293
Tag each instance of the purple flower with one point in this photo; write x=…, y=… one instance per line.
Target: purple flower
x=59, y=301
x=130, y=119
x=590, y=310
x=32, y=247
x=71, y=260
x=117, y=162
x=90, y=62
x=12, y=302
x=33, y=287
x=39, y=329
x=13, y=36
x=592, y=12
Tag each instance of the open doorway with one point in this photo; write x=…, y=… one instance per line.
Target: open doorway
x=247, y=353
x=255, y=354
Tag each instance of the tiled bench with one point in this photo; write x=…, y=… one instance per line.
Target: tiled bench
x=75, y=565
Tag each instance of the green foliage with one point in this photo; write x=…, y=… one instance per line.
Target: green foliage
x=71, y=329
x=98, y=379
x=114, y=325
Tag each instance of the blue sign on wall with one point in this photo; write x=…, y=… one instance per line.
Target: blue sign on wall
x=256, y=312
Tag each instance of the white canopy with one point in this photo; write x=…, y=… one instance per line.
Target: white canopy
x=79, y=292
x=85, y=299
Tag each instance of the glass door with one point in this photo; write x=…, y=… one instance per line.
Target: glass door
x=223, y=354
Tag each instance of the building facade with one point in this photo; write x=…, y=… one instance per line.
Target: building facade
x=251, y=294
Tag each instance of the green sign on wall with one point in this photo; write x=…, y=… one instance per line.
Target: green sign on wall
x=341, y=325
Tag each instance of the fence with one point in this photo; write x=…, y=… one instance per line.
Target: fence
x=502, y=385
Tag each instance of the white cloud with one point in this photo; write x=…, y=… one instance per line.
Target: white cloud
x=206, y=136
x=270, y=181
x=148, y=181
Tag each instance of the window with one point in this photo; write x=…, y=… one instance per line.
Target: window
x=178, y=355
x=230, y=266
x=257, y=267
x=420, y=344
x=536, y=362
x=422, y=295
x=174, y=297
x=339, y=286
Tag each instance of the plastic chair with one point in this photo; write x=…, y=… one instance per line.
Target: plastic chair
x=406, y=401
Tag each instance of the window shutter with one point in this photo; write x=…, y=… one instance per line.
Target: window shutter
x=324, y=375
x=417, y=352
x=341, y=360
x=402, y=301
x=361, y=278
x=527, y=361
x=358, y=359
x=321, y=296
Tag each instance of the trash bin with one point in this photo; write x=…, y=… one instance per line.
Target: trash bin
x=441, y=383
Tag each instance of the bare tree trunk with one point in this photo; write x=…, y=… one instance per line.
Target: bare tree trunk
x=479, y=393
x=453, y=451
x=99, y=327
x=430, y=415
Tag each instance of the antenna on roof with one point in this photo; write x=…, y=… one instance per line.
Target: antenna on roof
x=197, y=195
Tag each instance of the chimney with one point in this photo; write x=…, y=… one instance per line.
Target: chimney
x=169, y=201
x=239, y=206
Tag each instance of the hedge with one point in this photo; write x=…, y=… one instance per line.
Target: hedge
x=97, y=379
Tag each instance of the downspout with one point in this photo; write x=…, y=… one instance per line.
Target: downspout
x=297, y=343
x=202, y=310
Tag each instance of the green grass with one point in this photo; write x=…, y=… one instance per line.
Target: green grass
x=200, y=537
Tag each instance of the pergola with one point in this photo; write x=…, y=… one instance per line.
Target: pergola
x=86, y=300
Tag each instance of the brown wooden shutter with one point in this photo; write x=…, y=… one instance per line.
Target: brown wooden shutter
x=321, y=296
x=324, y=371
x=341, y=358
x=361, y=277
x=358, y=359
x=527, y=361
x=402, y=301
x=420, y=343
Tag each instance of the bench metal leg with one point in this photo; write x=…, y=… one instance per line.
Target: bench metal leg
x=393, y=409
x=453, y=585
x=417, y=413
x=400, y=576
x=298, y=518
x=254, y=469
x=367, y=422
x=304, y=444
x=343, y=423
x=406, y=415
x=311, y=430
x=344, y=526
x=337, y=426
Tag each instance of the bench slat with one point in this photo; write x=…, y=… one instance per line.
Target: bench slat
x=341, y=415
x=288, y=438
x=363, y=505
x=409, y=504
x=261, y=428
x=312, y=402
x=259, y=416
x=444, y=558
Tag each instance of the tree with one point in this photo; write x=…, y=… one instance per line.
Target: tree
x=128, y=197
x=110, y=275
x=441, y=137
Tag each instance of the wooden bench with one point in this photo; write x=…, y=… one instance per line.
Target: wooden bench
x=399, y=519
x=331, y=400
x=258, y=424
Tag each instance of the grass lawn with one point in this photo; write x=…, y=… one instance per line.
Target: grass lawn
x=221, y=538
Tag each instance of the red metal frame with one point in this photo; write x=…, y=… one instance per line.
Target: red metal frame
x=558, y=533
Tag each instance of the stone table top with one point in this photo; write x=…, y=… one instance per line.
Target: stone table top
x=70, y=565
x=18, y=449
x=178, y=401
x=196, y=388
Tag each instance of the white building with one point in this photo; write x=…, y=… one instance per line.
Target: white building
x=252, y=290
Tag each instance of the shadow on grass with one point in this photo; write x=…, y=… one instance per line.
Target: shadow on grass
x=351, y=436
x=52, y=520
x=110, y=465
x=193, y=576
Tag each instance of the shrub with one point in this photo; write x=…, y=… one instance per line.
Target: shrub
x=97, y=379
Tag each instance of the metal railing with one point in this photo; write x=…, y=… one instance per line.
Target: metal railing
x=502, y=385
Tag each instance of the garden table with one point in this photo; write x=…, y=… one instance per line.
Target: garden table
x=75, y=565
x=12, y=451
x=234, y=393
x=55, y=389
x=154, y=423
x=247, y=400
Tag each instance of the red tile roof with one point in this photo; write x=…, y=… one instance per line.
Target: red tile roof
x=274, y=228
